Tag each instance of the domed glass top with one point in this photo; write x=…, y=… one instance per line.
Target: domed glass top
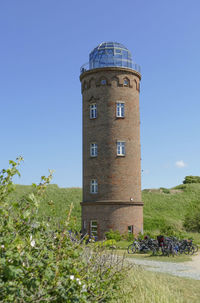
x=110, y=54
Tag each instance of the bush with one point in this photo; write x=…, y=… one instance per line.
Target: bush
x=40, y=262
x=165, y=190
x=114, y=235
x=192, y=220
x=191, y=179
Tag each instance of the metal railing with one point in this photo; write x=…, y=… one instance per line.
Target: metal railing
x=85, y=67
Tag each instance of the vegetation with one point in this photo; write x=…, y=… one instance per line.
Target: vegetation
x=173, y=211
x=40, y=263
x=115, y=235
x=142, y=286
x=191, y=179
x=169, y=213
x=38, y=260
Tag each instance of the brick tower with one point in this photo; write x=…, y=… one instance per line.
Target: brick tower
x=111, y=142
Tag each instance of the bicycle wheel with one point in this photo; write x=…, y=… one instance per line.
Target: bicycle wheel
x=195, y=248
x=129, y=249
x=132, y=249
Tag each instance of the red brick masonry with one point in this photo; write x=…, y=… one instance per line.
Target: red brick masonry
x=117, y=204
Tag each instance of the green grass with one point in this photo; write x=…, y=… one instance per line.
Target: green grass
x=169, y=209
x=142, y=286
x=162, y=207
x=56, y=202
x=150, y=257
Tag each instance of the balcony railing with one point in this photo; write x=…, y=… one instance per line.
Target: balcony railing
x=85, y=67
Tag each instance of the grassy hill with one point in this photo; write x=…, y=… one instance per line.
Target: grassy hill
x=168, y=207
x=162, y=207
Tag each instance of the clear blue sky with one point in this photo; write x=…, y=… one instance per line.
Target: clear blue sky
x=44, y=43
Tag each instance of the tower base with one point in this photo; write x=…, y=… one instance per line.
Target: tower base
x=101, y=216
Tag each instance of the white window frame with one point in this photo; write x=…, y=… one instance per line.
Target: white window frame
x=93, y=228
x=93, y=111
x=93, y=186
x=121, y=148
x=93, y=149
x=120, y=109
x=130, y=229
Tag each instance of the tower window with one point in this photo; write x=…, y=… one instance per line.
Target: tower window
x=93, y=228
x=120, y=110
x=103, y=82
x=93, y=150
x=130, y=229
x=84, y=224
x=126, y=82
x=93, y=186
x=93, y=111
x=120, y=148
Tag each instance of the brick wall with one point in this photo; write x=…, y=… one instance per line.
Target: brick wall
x=119, y=178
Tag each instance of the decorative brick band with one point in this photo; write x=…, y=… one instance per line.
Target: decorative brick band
x=110, y=68
x=110, y=202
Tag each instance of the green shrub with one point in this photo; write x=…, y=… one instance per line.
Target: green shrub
x=165, y=190
x=114, y=235
x=40, y=262
x=191, y=179
x=192, y=220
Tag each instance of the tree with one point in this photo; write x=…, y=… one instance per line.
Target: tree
x=191, y=179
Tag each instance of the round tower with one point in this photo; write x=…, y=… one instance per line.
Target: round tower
x=111, y=142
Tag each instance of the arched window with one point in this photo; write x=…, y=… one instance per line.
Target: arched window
x=103, y=81
x=126, y=82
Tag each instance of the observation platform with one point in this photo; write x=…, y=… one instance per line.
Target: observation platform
x=110, y=54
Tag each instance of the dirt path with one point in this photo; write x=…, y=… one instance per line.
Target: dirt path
x=190, y=269
x=195, y=263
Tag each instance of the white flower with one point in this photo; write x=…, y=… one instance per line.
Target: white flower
x=84, y=288
x=71, y=277
x=2, y=246
x=33, y=243
x=30, y=237
x=78, y=280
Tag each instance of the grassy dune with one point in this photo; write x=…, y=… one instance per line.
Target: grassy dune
x=161, y=209
x=161, y=206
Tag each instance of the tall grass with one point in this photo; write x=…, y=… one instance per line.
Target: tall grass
x=141, y=286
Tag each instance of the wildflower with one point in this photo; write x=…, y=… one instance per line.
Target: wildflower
x=84, y=288
x=33, y=243
x=2, y=246
x=71, y=277
x=78, y=280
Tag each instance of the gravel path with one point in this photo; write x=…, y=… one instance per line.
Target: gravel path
x=189, y=269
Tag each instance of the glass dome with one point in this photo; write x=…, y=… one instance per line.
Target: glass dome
x=110, y=54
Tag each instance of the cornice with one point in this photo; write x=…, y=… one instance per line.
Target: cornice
x=110, y=68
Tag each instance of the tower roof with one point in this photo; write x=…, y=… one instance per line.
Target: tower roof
x=110, y=54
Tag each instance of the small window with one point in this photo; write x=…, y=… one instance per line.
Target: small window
x=120, y=110
x=126, y=82
x=93, y=186
x=93, y=111
x=93, y=228
x=130, y=229
x=103, y=82
x=84, y=224
x=93, y=150
x=120, y=148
